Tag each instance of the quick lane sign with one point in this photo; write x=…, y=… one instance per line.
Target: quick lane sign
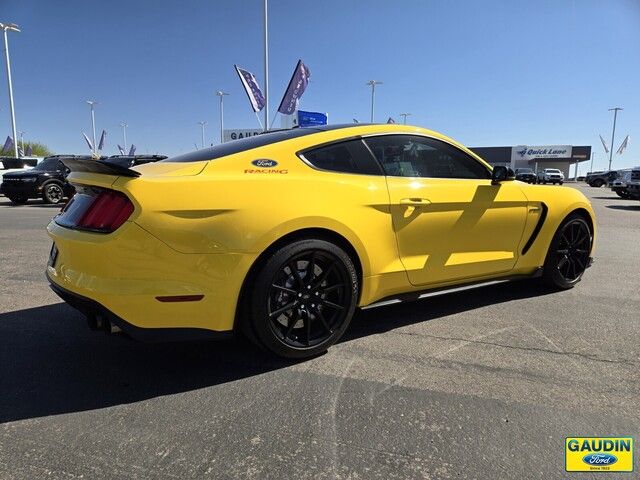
x=528, y=152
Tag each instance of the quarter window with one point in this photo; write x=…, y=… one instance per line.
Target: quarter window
x=413, y=156
x=347, y=157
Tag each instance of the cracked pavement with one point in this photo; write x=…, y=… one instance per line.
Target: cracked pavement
x=483, y=383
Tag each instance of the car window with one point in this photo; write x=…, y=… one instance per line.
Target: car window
x=351, y=156
x=414, y=156
x=48, y=164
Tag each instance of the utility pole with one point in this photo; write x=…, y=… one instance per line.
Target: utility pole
x=124, y=126
x=10, y=27
x=593, y=154
x=221, y=94
x=266, y=65
x=613, y=133
x=202, y=124
x=373, y=84
x=404, y=117
x=93, y=124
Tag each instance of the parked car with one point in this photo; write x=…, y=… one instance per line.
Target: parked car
x=599, y=179
x=551, y=175
x=633, y=184
x=46, y=180
x=13, y=164
x=619, y=183
x=282, y=235
x=129, y=161
x=526, y=175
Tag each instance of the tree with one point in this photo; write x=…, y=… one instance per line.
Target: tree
x=38, y=150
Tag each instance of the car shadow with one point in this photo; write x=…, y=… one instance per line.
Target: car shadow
x=625, y=207
x=51, y=363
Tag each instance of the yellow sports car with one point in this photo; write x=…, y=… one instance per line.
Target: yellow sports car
x=281, y=236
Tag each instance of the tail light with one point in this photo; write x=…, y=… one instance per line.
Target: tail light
x=101, y=211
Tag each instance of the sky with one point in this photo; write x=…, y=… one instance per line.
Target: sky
x=487, y=73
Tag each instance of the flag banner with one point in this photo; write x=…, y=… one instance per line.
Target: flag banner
x=604, y=144
x=391, y=120
x=355, y=120
x=250, y=84
x=20, y=152
x=88, y=141
x=29, y=151
x=102, y=137
x=121, y=150
x=132, y=150
x=623, y=145
x=8, y=144
x=297, y=86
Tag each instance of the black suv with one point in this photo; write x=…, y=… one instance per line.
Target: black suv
x=46, y=180
x=526, y=175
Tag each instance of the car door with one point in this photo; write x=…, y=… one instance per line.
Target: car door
x=450, y=222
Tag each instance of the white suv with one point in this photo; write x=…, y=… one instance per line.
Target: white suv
x=550, y=175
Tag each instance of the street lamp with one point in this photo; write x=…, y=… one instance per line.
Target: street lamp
x=266, y=66
x=10, y=27
x=124, y=133
x=93, y=123
x=373, y=84
x=202, y=124
x=221, y=94
x=404, y=117
x=613, y=133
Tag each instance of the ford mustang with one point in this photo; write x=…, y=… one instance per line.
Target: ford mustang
x=281, y=236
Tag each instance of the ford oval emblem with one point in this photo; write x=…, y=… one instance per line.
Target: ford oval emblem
x=264, y=163
x=599, y=459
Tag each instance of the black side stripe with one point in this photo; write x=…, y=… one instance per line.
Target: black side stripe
x=536, y=231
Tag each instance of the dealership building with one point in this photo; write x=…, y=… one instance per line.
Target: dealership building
x=562, y=157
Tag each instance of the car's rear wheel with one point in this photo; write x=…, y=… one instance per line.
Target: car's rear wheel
x=52, y=193
x=568, y=255
x=18, y=200
x=302, y=300
x=597, y=183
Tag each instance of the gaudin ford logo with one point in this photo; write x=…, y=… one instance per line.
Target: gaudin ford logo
x=264, y=163
x=599, y=454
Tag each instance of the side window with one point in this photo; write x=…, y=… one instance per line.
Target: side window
x=413, y=156
x=351, y=156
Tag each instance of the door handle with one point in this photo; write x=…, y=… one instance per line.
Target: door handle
x=415, y=202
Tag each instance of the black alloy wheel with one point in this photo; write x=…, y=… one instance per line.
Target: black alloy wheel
x=568, y=255
x=304, y=299
x=52, y=193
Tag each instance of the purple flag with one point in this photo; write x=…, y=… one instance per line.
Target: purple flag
x=29, y=151
x=132, y=150
x=355, y=120
x=8, y=144
x=102, y=137
x=121, y=150
x=296, y=88
x=391, y=120
x=250, y=84
x=88, y=141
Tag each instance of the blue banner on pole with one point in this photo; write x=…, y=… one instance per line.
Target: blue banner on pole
x=297, y=86
x=250, y=84
x=308, y=119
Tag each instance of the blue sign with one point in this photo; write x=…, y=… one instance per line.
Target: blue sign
x=309, y=119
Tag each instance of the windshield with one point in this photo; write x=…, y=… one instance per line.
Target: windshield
x=552, y=170
x=48, y=164
x=524, y=170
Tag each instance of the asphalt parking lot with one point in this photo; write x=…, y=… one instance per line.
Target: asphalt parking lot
x=485, y=383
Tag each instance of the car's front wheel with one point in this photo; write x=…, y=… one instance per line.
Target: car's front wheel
x=301, y=299
x=568, y=255
x=52, y=193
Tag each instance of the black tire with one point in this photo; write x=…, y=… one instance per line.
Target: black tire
x=19, y=200
x=623, y=194
x=52, y=192
x=597, y=183
x=318, y=281
x=568, y=255
x=560, y=183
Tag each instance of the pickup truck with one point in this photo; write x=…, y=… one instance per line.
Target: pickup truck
x=633, y=185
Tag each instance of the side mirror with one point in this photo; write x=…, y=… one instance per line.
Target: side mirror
x=501, y=174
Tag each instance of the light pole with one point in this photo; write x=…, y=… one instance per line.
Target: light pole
x=404, y=117
x=266, y=66
x=593, y=154
x=221, y=94
x=93, y=123
x=10, y=27
x=202, y=124
x=22, y=140
x=373, y=84
x=124, y=133
x=613, y=133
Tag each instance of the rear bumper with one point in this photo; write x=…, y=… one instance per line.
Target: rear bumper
x=97, y=312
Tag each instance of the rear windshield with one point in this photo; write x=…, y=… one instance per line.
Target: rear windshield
x=241, y=145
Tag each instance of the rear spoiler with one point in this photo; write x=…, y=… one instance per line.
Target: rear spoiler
x=98, y=166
